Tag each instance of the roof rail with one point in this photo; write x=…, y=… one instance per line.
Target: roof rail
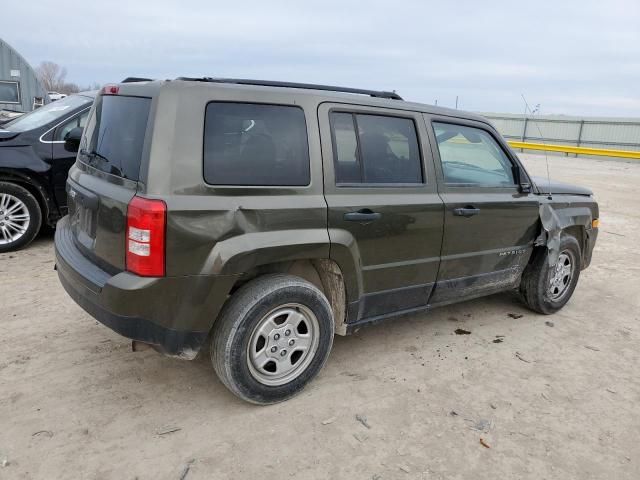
x=136, y=79
x=307, y=86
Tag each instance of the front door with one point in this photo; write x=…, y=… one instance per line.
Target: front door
x=489, y=225
x=385, y=215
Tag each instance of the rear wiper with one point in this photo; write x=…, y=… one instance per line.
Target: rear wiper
x=93, y=154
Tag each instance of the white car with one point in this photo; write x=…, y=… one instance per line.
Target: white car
x=53, y=96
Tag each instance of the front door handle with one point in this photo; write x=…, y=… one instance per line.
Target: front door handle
x=364, y=215
x=468, y=211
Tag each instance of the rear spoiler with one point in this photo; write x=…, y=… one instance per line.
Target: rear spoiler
x=136, y=79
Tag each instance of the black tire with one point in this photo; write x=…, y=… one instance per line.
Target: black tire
x=535, y=284
x=238, y=320
x=35, y=217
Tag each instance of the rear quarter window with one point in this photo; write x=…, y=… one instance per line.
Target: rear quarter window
x=255, y=145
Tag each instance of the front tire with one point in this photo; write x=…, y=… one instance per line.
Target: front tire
x=20, y=217
x=546, y=289
x=272, y=338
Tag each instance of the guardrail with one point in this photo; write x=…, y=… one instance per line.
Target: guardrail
x=603, y=152
x=602, y=136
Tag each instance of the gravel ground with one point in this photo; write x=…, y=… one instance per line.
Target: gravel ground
x=558, y=397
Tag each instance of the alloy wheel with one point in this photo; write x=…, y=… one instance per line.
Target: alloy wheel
x=14, y=218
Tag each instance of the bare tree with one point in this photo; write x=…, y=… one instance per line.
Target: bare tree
x=52, y=76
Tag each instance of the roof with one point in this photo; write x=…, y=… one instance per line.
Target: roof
x=323, y=94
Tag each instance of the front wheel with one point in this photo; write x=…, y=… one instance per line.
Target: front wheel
x=272, y=338
x=20, y=217
x=546, y=289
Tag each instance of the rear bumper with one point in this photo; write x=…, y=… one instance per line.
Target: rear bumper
x=174, y=314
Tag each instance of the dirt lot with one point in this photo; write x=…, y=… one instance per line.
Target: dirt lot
x=559, y=397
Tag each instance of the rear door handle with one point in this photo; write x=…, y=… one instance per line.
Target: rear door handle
x=364, y=215
x=468, y=211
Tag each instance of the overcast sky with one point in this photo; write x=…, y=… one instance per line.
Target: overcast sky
x=577, y=57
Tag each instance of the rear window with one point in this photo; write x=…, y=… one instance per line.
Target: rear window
x=114, y=135
x=255, y=144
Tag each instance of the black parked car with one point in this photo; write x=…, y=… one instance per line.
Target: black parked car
x=33, y=167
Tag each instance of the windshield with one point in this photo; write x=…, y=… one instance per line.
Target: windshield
x=47, y=114
x=114, y=135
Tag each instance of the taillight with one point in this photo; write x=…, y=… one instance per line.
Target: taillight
x=110, y=90
x=146, y=229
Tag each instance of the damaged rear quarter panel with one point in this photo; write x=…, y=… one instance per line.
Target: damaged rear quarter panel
x=231, y=235
x=227, y=230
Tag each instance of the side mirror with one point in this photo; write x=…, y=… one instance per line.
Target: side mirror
x=72, y=140
x=525, y=188
x=522, y=180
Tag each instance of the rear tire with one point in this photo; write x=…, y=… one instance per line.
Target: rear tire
x=20, y=217
x=547, y=289
x=272, y=338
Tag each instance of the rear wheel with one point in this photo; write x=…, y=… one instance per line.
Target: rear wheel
x=20, y=217
x=272, y=338
x=546, y=289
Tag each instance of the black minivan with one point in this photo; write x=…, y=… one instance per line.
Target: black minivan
x=34, y=163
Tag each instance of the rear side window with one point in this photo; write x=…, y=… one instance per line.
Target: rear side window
x=255, y=145
x=470, y=156
x=375, y=149
x=114, y=135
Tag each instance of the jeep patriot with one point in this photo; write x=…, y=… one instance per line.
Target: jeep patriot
x=258, y=219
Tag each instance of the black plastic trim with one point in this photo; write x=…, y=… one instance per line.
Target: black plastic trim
x=305, y=86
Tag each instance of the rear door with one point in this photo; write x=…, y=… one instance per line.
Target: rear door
x=384, y=209
x=489, y=225
x=105, y=177
x=62, y=159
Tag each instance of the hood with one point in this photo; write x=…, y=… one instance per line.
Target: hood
x=559, y=188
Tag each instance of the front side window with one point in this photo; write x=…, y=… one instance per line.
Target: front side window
x=471, y=156
x=375, y=149
x=255, y=145
x=65, y=128
x=9, y=92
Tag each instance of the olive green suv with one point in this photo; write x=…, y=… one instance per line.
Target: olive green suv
x=258, y=219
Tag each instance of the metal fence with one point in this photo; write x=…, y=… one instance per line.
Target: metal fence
x=589, y=133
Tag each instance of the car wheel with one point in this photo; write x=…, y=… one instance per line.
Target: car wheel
x=272, y=338
x=20, y=217
x=546, y=289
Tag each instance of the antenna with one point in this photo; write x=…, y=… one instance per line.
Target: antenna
x=546, y=158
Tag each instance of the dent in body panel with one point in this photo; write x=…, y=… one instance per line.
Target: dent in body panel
x=240, y=254
x=559, y=216
x=218, y=235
